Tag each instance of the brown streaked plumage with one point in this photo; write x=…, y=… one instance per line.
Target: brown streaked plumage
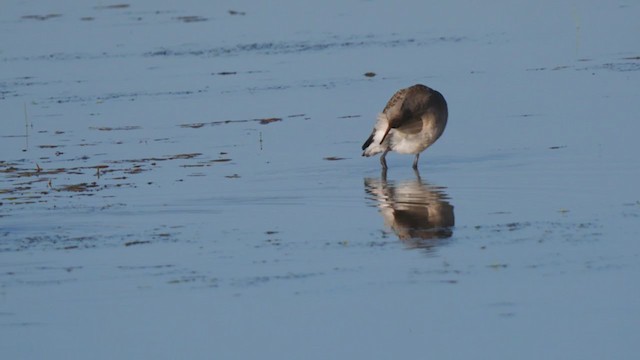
x=413, y=119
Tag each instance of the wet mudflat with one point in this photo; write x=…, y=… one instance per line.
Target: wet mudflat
x=186, y=181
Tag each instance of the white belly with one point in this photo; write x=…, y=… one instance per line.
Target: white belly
x=404, y=143
x=410, y=144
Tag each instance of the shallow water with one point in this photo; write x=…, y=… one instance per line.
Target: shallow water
x=187, y=181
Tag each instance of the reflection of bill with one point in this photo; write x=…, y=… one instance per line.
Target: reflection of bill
x=417, y=212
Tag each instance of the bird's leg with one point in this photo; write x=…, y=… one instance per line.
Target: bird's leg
x=383, y=161
x=415, y=162
x=383, y=175
x=417, y=173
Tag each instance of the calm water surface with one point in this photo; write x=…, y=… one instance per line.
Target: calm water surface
x=187, y=181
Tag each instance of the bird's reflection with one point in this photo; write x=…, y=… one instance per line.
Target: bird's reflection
x=418, y=213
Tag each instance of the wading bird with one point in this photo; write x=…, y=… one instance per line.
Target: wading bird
x=413, y=119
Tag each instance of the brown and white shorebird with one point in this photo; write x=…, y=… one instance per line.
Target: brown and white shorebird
x=413, y=119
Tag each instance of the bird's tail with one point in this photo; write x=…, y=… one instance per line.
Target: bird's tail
x=377, y=142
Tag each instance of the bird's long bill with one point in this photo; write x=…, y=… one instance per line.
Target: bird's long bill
x=385, y=134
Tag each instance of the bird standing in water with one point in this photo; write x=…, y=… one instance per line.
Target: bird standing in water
x=413, y=119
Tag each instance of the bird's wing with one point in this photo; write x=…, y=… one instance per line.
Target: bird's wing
x=397, y=97
x=408, y=118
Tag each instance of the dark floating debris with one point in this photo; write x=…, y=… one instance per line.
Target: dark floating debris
x=621, y=67
x=168, y=157
x=107, y=128
x=78, y=187
x=349, y=116
x=283, y=47
x=191, y=18
x=234, y=12
x=184, y=156
x=22, y=178
x=557, y=147
x=41, y=17
x=234, y=176
x=205, y=163
x=262, y=121
x=226, y=73
x=23, y=182
x=333, y=158
x=497, y=266
x=269, y=120
x=370, y=74
x=114, y=6
x=193, y=126
x=137, y=242
x=136, y=169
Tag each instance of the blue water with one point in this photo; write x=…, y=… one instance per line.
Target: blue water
x=208, y=234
